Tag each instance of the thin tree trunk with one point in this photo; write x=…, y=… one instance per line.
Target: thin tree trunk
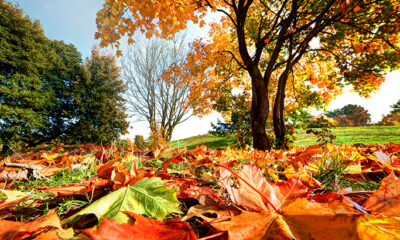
x=278, y=112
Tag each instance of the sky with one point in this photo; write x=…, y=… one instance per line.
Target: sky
x=74, y=21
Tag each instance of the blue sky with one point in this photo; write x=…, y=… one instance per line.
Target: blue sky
x=74, y=21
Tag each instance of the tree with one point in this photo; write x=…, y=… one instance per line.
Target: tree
x=63, y=78
x=24, y=59
x=348, y=109
x=350, y=115
x=395, y=107
x=271, y=44
x=150, y=96
x=392, y=119
x=101, y=116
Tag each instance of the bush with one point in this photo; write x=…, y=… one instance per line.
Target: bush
x=140, y=142
x=392, y=119
x=321, y=122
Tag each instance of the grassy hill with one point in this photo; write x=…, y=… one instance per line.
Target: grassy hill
x=344, y=135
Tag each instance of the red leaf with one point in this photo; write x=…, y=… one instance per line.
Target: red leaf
x=11, y=230
x=255, y=193
x=142, y=229
x=173, y=160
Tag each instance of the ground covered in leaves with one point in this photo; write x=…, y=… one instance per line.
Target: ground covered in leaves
x=120, y=192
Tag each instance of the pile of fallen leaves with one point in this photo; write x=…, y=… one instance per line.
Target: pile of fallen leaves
x=115, y=192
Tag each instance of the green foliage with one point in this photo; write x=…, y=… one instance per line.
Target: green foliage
x=69, y=204
x=149, y=196
x=350, y=115
x=24, y=53
x=395, y=107
x=61, y=177
x=140, y=142
x=331, y=170
x=64, y=81
x=45, y=92
x=236, y=106
x=345, y=110
x=101, y=117
x=324, y=135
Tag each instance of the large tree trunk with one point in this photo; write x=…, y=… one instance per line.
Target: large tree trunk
x=259, y=114
x=278, y=112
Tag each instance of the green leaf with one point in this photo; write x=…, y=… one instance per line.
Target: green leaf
x=149, y=196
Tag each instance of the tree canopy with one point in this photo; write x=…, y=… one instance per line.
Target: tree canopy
x=395, y=107
x=24, y=59
x=45, y=90
x=273, y=46
x=101, y=117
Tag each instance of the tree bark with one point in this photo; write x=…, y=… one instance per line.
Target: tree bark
x=259, y=114
x=278, y=112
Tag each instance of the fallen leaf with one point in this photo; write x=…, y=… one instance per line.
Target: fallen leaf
x=255, y=191
x=149, y=196
x=386, y=200
x=142, y=229
x=11, y=230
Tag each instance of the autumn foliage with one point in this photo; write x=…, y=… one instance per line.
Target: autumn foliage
x=391, y=119
x=288, y=54
x=329, y=192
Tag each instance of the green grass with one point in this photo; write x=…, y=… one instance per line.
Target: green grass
x=211, y=141
x=344, y=135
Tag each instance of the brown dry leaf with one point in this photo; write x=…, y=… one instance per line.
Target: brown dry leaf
x=52, y=170
x=65, y=190
x=21, y=174
x=202, y=210
x=11, y=230
x=386, y=200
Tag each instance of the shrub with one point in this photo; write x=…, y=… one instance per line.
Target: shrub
x=321, y=122
x=392, y=119
x=140, y=142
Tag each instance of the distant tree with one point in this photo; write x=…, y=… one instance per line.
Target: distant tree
x=392, y=119
x=101, y=117
x=395, y=107
x=140, y=142
x=350, y=115
x=150, y=96
x=345, y=110
x=237, y=122
x=24, y=59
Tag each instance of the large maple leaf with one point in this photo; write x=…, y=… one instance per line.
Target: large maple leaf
x=255, y=193
x=280, y=212
x=149, y=196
